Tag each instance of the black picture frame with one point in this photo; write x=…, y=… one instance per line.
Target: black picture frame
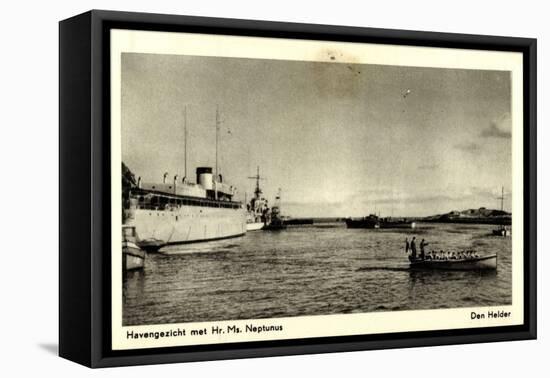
x=84, y=197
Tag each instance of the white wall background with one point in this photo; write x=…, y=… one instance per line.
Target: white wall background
x=29, y=188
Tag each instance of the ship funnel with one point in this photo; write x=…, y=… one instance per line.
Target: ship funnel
x=204, y=177
x=175, y=182
x=139, y=182
x=164, y=177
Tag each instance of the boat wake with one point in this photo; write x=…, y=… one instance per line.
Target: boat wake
x=206, y=247
x=397, y=268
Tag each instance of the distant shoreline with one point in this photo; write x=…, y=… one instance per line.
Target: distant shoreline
x=313, y=221
x=471, y=216
x=495, y=221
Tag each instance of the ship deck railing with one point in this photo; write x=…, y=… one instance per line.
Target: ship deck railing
x=150, y=200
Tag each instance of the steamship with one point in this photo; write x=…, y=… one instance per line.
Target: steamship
x=180, y=212
x=185, y=212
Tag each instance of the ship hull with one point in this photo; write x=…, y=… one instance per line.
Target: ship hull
x=479, y=263
x=133, y=257
x=352, y=223
x=374, y=223
x=501, y=232
x=362, y=223
x=255, y=226
x=186, y=224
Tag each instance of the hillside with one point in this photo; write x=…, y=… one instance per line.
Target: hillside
x=481, y=215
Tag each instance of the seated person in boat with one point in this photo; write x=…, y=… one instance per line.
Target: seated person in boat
x=413, y=248
x=423, y=245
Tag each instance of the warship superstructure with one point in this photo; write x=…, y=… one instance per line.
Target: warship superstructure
x=257, y=210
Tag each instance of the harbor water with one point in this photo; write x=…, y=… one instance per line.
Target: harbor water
x=312, y=270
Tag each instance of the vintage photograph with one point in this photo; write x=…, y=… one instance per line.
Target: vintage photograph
x=273, y=188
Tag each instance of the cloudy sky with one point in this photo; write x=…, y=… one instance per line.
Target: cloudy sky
x=339, y=139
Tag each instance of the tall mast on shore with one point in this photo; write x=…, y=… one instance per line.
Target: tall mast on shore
x=501, y=198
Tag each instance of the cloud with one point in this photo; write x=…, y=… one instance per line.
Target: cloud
x=389, y=196
x=494, y=131
x=500, y=127
x=416, y=199
x=468, y=147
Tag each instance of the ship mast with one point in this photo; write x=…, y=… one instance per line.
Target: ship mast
x=257, y=191
x=217, y=138
x=185, y=142
x=217, y=142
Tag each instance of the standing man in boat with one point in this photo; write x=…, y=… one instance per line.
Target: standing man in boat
x=423, y=245
x=407, y=246
x=413, y=248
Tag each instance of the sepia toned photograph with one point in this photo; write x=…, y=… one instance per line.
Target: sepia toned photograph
x=286, y=189
x=257, y=188
x=261, y=189
x=249, y=189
